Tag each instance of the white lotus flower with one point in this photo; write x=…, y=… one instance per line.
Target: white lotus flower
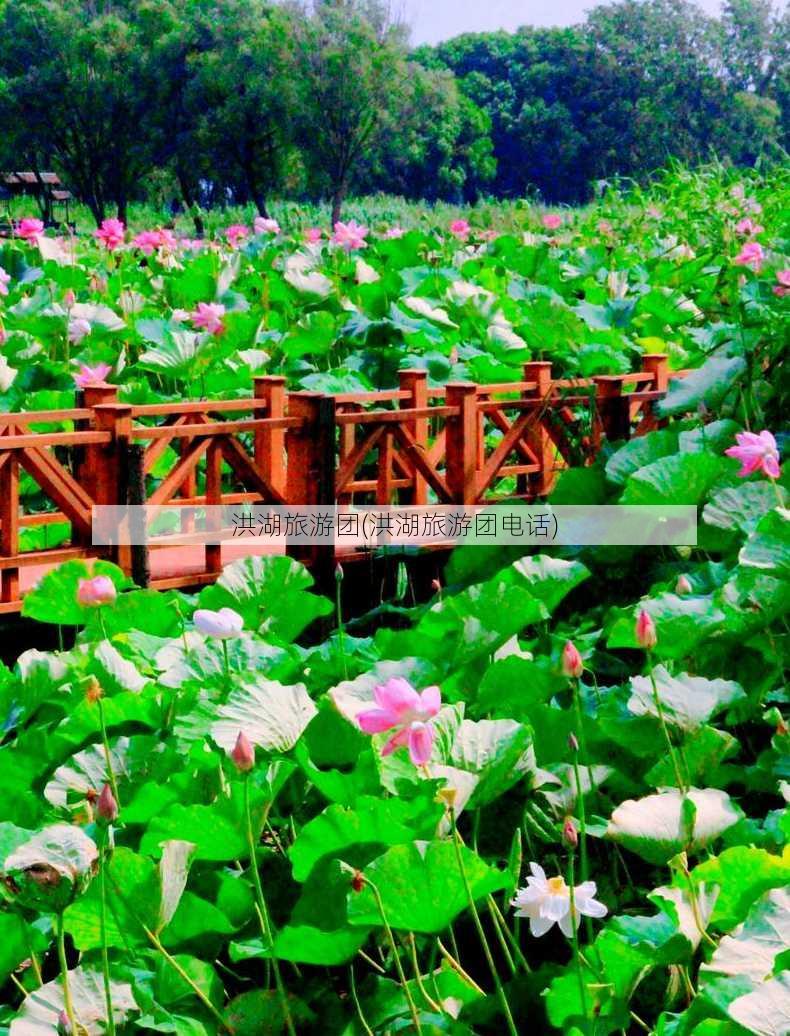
x=78, y=329
x=547, y=901
x=222, y=624
x=300, y=274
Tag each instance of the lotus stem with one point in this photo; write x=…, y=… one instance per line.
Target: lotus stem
x=394, y=947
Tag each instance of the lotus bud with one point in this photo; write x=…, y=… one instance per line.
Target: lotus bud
x=683, y=586
x=338, y=573
x=243, y=754
x=93, y=691
x=64, y=1025
x=570, y=835
x=646, y=635
x=572, y=664
x=573, y=742
x=107, y=806
x=358, y=881
x=69, y=298
x=93, y=593
x=436, y=586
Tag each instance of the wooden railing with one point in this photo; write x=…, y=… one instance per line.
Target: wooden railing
x=460, y=443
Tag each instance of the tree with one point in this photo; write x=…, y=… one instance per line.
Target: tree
x=352, y=74
x=79, y=87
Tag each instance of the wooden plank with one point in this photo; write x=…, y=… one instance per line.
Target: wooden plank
x=462, y=432
x=244, y=469
x=395, y=416
x=37, y=440
x=433, y=478
x=349, y=466
x=504, y=448
x=59, y=486
x=175, y=478
x=186, y=431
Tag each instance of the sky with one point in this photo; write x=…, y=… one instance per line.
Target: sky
x=435, y=20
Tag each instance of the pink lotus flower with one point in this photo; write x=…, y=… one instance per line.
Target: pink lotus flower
x=751, y=255
x=93, y=593
x=243, y=753
x=147, y=241
x=604, y=227
x=782, y=287
x=552, y=221
x=393, y=233
x=756, y=453
x=488, y=235
x=350, y=235
x=313, y=235
x=460, y=229
x=181, y=315
x=91, y=375
x=748, y=228
x=261, y=225
x=572, y=664
x=110, y=234
x=5, y=279
x=407, y=710
x=236, y=234
x=646, y=636
x=29, y=230
x=208, y=317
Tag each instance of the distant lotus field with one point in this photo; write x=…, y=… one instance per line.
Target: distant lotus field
x=552, y=797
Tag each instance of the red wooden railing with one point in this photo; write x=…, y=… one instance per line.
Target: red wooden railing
x=460, y=443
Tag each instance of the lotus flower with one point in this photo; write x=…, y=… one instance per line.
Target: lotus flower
x=313, y=235
x=552, y=221
x=460, y=229
x=236, y=233
x=350, y=236
x=646, y=636
x=5, y=279
x=95, y=592
x=751, y=255
x=547, y=901
x=748, y=228
x=409, y=712
x=149, y=241
x=221, y=625
x=91, y=375
x=243, y=753
x=107, y=807
x=683, y=586
x=572, y=664
x=29, y=230
x=756, y=452
x=393, y=233
x=110, y=234
x=208, y=317
x=262, y=225
x=782, y=287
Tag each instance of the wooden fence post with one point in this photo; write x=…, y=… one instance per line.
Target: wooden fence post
x=613, y=408
x=89, y=460
x=657, y=365
x=462, y=431
x=9, y=524
x=310, y=477
x=270, y=442
x=213, y=499
x=415, y=382
x=538, y=439
x=112, y=466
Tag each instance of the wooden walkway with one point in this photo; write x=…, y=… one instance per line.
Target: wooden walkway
x=461, y=444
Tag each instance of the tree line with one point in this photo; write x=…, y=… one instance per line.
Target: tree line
x=242, y=100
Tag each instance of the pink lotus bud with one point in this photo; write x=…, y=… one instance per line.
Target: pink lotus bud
x=64, y=1025
x=93, y=593
x=107, y=806
x=682, y=586
x=69, y=298
x=243, y=754
x=572, y=664
x=436, y=586
x=570, y=835
x=573, y=742
x=338, y=573
x=646, y=635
